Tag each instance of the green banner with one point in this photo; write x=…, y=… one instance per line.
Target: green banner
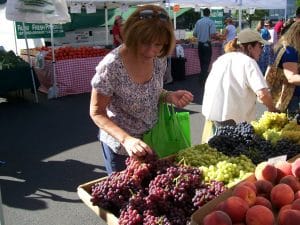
x=217, y=15
x=38, y=30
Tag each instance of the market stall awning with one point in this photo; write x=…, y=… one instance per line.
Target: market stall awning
x=84, y=20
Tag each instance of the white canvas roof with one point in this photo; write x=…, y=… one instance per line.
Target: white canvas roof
x=258, y=4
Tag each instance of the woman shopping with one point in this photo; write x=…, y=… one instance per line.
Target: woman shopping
x=128, y=85
x=235, y=82
x=289, y=63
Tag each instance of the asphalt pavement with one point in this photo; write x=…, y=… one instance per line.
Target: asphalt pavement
x=49, y=148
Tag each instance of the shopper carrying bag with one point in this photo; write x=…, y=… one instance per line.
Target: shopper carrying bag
x=281, y=91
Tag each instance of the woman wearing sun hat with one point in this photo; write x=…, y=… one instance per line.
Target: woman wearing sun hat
x=235, y=82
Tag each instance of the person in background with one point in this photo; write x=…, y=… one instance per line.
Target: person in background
x=116, y=31
x=267, y=56
x=261, y=28
x=229, y=32
x=235, y=82
x=205, y=31
x=128, y=85
x=290, y=62
x=278, y=26
x=274, y=38
x=286, y=26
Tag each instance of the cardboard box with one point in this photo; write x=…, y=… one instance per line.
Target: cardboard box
x=198, y=216
x=84, y=191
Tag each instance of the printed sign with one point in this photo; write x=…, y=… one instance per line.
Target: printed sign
x=38, y=30
x=217, y=16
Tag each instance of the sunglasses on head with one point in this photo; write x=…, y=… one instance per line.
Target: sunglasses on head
x=150, y=14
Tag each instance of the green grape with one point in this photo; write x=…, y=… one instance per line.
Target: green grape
x=272, y=135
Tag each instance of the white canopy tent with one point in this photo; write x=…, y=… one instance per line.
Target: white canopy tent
x=103, y=4
x=234, y=4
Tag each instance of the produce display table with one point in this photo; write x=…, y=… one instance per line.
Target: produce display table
x=73, y=76
x=192, y=65
x=16, y=79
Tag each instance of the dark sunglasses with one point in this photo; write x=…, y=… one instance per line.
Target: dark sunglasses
x=150, y=14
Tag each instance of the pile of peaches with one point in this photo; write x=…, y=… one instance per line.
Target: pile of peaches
x=272, y=198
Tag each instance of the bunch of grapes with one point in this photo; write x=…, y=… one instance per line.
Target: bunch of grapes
x=270, y=120
x=208, y=192
x=114, y=192
x=229, y=171
x=199, y=155
x=241, y=132
x=152, y=191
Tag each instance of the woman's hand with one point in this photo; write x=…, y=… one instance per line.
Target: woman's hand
x=180, y=98
x=136, y=147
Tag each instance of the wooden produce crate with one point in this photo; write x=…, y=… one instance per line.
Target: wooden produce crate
x=198, y=216
x=84, y=191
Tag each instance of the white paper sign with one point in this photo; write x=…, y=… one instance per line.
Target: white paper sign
x=277, y=159
x=90, y=8
x=75, y=7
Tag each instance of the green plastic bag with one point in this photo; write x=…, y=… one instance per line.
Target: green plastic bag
x=171, y=133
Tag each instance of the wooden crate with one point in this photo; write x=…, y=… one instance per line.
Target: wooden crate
x=84, y=191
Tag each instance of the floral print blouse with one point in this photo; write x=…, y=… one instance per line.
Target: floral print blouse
x=133, y=106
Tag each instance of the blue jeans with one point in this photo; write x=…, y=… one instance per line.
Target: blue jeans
x=294, y=104
x=113, y=162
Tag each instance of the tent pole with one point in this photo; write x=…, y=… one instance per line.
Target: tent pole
x=15, y=36
x=53, y=91
x=285, y=10
x=106, y=24
x=240, y=14
x=30, y=63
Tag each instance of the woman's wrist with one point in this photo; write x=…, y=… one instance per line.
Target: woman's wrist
x=165, y=96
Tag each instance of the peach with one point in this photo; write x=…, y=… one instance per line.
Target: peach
x=263, y=188
x=260, y=200
x=289, y=217
x=245, y=193
x=217, y=218
x=236, y=208
x=284, y=168
x=292, y=181
x=296, y=204
x=259, y=215
x=296, y=168
x=265, y=171
x=281, y=194
x=297, y=195
x=285, y=207
x=248, y=184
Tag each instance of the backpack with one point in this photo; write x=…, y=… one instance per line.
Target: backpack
x=265, y=34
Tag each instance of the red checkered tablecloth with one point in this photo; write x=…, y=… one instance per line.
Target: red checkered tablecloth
x=73, y=76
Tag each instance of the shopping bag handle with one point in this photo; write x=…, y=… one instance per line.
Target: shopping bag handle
x=177, y=122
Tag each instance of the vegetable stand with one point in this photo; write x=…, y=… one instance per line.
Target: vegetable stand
x=73, y=76
x=15, y=79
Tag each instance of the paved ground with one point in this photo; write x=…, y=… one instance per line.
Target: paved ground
x=50, y=148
